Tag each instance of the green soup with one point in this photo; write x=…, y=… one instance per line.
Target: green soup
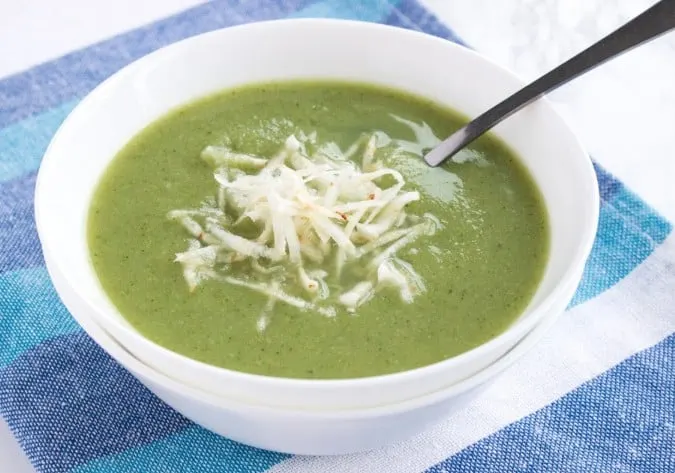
x=479, y=269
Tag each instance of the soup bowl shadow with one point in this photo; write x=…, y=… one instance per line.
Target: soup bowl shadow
x=419, y=64
x=309, y=431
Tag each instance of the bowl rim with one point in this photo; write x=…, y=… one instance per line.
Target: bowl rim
x=517, y=329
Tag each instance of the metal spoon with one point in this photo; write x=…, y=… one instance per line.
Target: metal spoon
x=657, y=20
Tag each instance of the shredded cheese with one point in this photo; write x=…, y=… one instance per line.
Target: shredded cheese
x=299, y=224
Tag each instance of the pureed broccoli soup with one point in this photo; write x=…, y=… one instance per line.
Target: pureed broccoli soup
x=292, y=229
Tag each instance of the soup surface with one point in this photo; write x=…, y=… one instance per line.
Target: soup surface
x=463, y=279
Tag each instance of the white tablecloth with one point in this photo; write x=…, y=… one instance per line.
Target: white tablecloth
x=623, y=112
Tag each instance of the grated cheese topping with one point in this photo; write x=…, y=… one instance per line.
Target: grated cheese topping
x=299, y=221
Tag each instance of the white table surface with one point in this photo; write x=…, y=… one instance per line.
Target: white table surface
x=623, y=112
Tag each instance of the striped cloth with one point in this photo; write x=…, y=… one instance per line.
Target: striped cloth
x=596, y=395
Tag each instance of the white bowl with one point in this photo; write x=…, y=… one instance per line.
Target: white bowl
x=308, y=432
x=309, y=48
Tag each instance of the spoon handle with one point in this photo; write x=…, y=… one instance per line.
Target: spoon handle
x=652, y=23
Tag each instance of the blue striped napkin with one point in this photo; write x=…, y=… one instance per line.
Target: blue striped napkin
x=597, y=394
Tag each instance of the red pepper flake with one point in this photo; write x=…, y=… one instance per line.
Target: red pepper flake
x=343, y=216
